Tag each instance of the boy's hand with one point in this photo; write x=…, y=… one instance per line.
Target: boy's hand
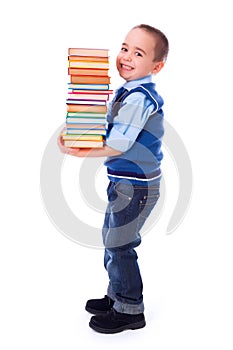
x=104, y=151
x=64, y=149
x=77, y=152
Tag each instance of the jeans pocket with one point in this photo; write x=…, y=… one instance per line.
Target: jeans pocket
x=120, y=196
x=124, y=191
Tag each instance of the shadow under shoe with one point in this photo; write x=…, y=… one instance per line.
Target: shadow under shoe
x=99, y=306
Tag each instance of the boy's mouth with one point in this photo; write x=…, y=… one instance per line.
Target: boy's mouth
x=126, y=67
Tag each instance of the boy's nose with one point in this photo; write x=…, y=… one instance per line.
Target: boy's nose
x=128, y=56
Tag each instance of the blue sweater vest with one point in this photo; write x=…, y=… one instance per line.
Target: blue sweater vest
x=141, y=163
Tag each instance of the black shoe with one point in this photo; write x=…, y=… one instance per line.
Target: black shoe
x=99, y=306
x=114, y=322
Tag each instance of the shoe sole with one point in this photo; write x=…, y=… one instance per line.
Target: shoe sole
x=131, y=326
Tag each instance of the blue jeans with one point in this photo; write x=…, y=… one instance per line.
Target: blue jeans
x=127, y=210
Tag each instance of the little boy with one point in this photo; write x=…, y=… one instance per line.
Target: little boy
x=133, y=151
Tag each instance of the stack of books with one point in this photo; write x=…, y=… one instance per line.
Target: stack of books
x=88, y=93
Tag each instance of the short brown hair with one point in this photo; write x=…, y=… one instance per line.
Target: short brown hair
x=162, y=44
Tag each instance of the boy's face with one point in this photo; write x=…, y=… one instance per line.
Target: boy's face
x=136, y=58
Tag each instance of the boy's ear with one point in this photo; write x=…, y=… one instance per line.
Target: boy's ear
x=158, y=66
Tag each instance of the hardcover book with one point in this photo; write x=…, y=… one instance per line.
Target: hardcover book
x=89, y=126
x=76, y=120
x=92, y=64
x=89, y=79
x=88, y=52
x=88, y=86
x=87, y=115
x=82, y=95
x=86, y=71
x=85, y=132
x=85, y=102
x=83, y=144
x=86, y=108
x=81, y=137
x=88, y=58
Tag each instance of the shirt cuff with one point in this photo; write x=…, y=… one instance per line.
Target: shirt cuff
x=118, y=141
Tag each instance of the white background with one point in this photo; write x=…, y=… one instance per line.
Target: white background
x=45, y=277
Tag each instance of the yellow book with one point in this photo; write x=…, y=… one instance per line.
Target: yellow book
x=83, y=64
x=81, y=137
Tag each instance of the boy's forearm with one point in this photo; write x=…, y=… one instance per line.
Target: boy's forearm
x=104, y=151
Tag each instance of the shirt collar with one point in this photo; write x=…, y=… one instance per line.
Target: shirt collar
x=134, y=83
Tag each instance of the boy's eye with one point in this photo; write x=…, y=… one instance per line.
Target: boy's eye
x=138, y=54
x=124, y=49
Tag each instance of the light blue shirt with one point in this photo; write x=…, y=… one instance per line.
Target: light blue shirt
x=131, y=118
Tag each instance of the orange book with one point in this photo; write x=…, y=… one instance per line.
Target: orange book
x=88, y=59
x=88, y=52
x=86, y=108
x=87, y=71
x=89, y=79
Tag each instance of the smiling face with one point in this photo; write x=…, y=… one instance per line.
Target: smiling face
x=136, y=58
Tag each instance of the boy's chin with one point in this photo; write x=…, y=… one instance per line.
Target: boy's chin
x=126, y=77
x=129, y=77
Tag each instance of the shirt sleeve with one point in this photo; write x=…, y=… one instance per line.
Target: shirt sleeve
x=129, y=121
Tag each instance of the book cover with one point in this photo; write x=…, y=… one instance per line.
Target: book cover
x=81, y=95
x=86, y=120
x=81, y=137
x=84, y=102
x=88, y=52
x=88, y=86
x=86, y=108
x=83, y=144
x=88, y=116
x=85, y=126
x=85, y=131
x=89, y=79
x=87, y=71
x=88, y=59
x=83, y=64
x=90, y=92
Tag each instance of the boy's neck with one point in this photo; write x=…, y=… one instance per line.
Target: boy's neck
x=132, y=83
